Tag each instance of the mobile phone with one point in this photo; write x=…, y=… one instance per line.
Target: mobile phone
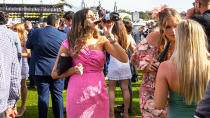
x=157, y=63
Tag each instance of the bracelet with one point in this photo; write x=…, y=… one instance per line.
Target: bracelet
x=113, y=40
x=109, y=36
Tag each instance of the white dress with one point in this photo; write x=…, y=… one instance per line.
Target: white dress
x=24, y=66
x=118, y=70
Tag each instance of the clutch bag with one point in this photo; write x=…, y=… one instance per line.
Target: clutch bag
x=64, y=63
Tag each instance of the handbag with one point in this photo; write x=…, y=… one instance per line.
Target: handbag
x=64, y=63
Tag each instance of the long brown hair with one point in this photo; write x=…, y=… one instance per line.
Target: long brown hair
x=120, y=32
x=162, y=22
x=79, y=32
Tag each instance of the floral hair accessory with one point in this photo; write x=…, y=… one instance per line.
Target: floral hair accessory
x=156, y=11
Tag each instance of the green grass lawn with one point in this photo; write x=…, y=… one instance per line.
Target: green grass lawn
x=32, y=103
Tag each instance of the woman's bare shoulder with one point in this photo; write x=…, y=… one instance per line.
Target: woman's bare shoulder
x=103, y=38
x=166, y=67
x=169, y=70
x=102, y=41
x=153, y=38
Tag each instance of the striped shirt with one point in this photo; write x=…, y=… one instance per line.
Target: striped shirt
x=10, y=75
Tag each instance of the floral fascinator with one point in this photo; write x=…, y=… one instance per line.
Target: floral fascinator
x=156, y=11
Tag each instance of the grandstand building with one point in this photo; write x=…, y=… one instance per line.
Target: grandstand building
x=31, y=12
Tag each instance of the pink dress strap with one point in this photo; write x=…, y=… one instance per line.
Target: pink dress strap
x=65, y=43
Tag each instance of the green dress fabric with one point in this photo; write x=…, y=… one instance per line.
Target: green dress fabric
x=177, y=108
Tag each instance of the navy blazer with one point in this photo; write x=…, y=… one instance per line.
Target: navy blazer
x=44, y=44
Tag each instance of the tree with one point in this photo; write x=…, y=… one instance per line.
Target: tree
x=126, y=17
x=124, y=11
x=146, y=15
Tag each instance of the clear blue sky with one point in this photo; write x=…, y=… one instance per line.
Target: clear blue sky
x=130, y=5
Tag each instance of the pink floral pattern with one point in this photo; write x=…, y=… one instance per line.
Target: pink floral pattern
x=143, y=54
x=141, y=57
x=147, y=105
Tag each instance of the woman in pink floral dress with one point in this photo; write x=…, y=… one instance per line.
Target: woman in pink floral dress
x=144, y=57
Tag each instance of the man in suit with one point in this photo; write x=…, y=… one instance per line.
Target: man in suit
x=44, y=44
x=201, y=13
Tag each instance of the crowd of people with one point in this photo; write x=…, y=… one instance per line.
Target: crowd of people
x=140, y=32
x=172, y=55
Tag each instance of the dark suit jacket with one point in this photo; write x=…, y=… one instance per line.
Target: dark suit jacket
x=203, y=108
x=44, y=44
x=204, y=20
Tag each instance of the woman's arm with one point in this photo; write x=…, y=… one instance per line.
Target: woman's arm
x=111, y=45
x=132, y=43
x=27, y=53
x=143, y=56
x=73, y=70
x=114, y=49
x=161, y=87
